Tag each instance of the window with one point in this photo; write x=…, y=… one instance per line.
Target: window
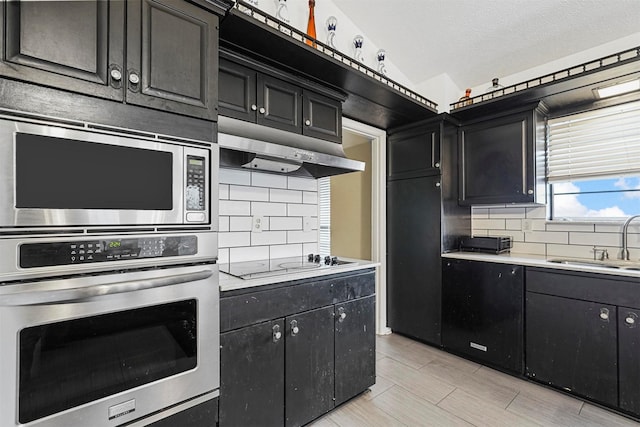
x=324, y=216
x=594, y=163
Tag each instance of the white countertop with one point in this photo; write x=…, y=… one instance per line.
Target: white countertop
x=229, y=282
x=541, y=261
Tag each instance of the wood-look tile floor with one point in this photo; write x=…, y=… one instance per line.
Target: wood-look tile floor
x=419, y=385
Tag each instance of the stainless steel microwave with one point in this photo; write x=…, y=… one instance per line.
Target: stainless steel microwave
x=54, y=175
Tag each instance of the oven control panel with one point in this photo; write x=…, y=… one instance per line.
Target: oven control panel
x=195, y=183
x=104, y=250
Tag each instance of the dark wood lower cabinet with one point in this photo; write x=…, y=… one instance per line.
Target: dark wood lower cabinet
x=355, y=348
x=629, y=359
x=293, y=369
x=309, y=370
x=251, y=366
x=572, y=345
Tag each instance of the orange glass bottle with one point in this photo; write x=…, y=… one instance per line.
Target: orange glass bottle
x=311, y=25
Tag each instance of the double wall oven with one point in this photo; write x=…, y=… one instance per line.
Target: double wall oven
x=109, y=310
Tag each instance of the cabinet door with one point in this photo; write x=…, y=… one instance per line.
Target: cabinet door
x=309, y=370
x=172, y=70
x=252, y=376
x=279, y=104
x=497, y=161
x=628, y=351
x=237, y=91
x=572, y=344
x=355, y=347
x=414, y=152
x=70, y=45
x=413, y=257
x=482, y=311
x=322, y=117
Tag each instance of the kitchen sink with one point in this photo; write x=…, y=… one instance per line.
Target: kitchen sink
x=607, y=263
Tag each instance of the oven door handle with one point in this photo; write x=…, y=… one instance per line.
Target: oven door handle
x=81, y=294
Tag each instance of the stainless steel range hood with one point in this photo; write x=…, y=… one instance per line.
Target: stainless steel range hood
x=252, y=146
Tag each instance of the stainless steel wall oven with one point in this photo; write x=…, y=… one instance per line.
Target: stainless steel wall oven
x=108, y=280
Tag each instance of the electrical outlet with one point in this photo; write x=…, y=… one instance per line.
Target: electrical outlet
x=256, y=224
x=527, y=225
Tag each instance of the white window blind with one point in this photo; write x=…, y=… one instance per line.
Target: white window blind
x=324, y=215
x=599, y=143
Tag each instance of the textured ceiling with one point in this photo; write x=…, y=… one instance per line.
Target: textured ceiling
x=475, y=40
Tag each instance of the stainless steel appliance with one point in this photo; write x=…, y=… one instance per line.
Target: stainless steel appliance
x=69, y=174
x=109, y=297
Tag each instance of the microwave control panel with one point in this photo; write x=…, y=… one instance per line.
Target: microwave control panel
x=104, y=250
x=195, y=190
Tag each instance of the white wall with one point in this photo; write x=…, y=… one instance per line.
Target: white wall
x=346, y=30
x=283, y=203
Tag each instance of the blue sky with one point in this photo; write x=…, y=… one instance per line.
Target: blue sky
x=612, y=205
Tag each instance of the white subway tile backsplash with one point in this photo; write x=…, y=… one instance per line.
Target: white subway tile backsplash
x=223, y=192
x=282, y=203
x=506, y=212
x=529, y=248
x=284, y=251
x=480, y=212
x=516, y=235
x=223, y=256
x=576, y=251
x=234, y=176
x=240, y=223
x=234, y=239
x=302, y=210
x=259, y=179
x=610, y=228
x=537, y=212
x=268, y=238
x=569, y=226
x=287, y=196
x=595, y=239
x=223, y=223
x=488, y=224
x=310, y=248
x=513, y=224
x=546, y=237
x=268, y=209
x=285, y=223
x=310, y=197
x=255, y=194
x=302, y=236
x=234, y=208
x=306, y=184
x=249, y=253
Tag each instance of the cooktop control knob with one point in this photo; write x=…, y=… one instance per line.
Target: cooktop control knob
x=310, y=257
x=334, y=261
x=327, y=260
x=316, y=259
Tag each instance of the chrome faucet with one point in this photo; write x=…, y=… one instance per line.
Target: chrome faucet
x=625, y=239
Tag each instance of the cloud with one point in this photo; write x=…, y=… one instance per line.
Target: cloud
x=568, y=206
x=624, y=185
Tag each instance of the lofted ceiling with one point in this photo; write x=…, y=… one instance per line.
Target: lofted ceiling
x=474, y=41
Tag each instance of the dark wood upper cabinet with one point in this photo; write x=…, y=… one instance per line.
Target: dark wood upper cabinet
x=278, y=102
x=71, y=45
x=414, y=152
x=172, y=69
x=322, y=117
x=500, y=161
x=79, y=46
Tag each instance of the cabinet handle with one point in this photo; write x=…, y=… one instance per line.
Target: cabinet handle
x=604, y=314
x=254, y=107
x=630, y=320
x=437, y=164
x=134, y=79
x=307, y=122
x=116, y=75
x=294, y=328
x=341, y=314
x=530, y=192
x=438, y=184
x=276, y=333
x=262, y=110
